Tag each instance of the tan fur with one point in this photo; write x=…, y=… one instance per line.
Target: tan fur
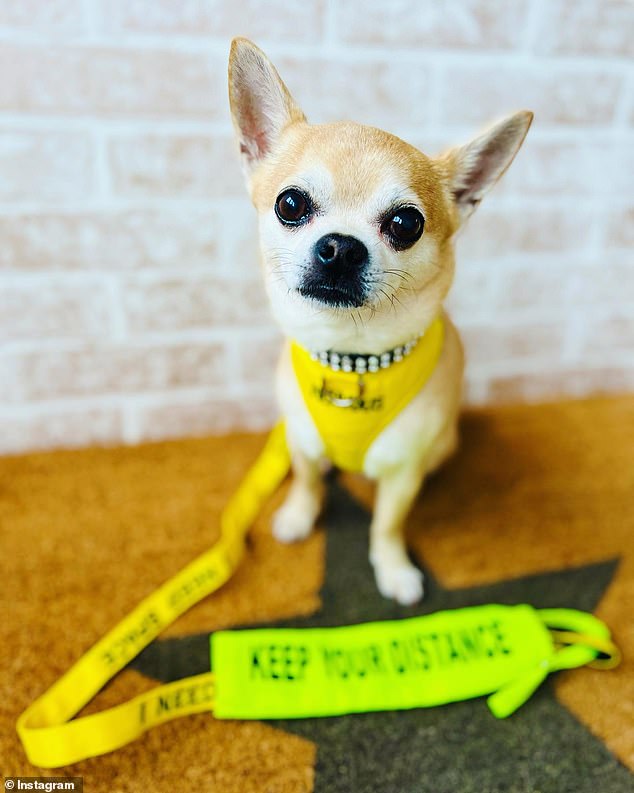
x=354, y=172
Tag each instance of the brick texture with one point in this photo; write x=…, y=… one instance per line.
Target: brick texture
x=52, y=16
x=604, y=334
x=39, y=311
x=565, y=97
x=188, y=302
x=178, y=166
x=381, y=89
x=586, y=27
x=279, y=21
x=491, y=24
x=560, y=384
x=46, y=167
x=131, y=305
x=497, y=344
x=175, y=418
x=620, y=228
x=112, y=82
x=257, y=361
x=52, y=429
x=592, y=168
x=110, y=240
x=611, y=285
x=504, y=233
x=103, y=369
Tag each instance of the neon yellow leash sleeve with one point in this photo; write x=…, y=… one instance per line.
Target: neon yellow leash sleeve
x=394, y=665
x=262, y=673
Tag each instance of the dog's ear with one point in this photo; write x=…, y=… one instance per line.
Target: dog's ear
x=473, y=169
x=261, y=106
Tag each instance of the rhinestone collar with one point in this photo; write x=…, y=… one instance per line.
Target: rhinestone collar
x=361, y=364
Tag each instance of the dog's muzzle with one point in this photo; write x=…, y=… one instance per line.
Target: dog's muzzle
x=337, y=273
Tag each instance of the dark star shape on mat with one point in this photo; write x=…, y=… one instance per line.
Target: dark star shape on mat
x=456, y=748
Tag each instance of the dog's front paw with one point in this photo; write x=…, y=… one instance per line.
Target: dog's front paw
x=291, y=525
x=403, y=582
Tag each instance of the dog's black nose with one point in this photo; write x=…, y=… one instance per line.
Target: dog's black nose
x=337, y=274
x=341, y=250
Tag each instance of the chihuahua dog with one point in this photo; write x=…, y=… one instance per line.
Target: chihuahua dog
x=356, y=231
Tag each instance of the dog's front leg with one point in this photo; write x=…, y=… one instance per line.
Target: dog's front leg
x=296, y=518
x=396, y=576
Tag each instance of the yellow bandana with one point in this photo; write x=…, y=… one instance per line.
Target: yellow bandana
x=350, y=409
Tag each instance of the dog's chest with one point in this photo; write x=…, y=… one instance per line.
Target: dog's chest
x=348, y=416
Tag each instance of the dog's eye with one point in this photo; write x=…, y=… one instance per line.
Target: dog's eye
x=404, y=227
x=292, y=207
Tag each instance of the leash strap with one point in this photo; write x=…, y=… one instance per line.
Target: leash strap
x=49, y=737
x=293, y=673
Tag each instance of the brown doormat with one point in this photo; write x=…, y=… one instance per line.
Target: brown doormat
x=538, y=506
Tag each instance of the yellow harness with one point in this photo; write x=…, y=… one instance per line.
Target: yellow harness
x=351, y=409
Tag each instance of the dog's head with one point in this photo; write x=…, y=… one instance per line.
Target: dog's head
x=356, y=225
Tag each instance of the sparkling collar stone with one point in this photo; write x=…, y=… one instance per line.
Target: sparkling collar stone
x=362, y=364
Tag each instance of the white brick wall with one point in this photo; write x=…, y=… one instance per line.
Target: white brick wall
x=130, y=301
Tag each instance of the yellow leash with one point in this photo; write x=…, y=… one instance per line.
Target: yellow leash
x=50, y=739
x=49, y=736
x=504, y=651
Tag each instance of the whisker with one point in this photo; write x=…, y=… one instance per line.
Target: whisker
x=402, y=274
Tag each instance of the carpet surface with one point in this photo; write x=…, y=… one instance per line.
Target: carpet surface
x=537, y=506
